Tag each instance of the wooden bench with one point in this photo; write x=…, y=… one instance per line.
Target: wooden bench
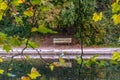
x=62, y=40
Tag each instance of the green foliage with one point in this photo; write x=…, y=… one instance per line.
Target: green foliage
x=91, y=61
x=68, y=14
x=15, y=41
x=45, y=30
x=116, y=56
x=7, y=48
x=79, y=60
x=36, y=2
x=21, y=16
x=2, y=38
x=30, y=44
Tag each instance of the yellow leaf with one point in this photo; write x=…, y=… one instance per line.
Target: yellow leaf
x=62, y=61
x=34, y=73
x=97, y=16
x=25, y=78
x=116, y=19
x=1, y=71
x=115, y=55
x=55, y=64
x=100, y=16
x=21, y=1
x=1, y=60
x=118, y=59
x=28, y=13
x=51, y=67
x=3, y=5
x=115, y=7
x=34, y=29
x=9, y=69
x=0, y=17
x=117, y=1
x=31, y=8
x=27, y=57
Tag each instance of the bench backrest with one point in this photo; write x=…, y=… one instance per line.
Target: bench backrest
x=62, y=40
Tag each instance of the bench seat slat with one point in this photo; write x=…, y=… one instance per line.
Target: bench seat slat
x=62, y=40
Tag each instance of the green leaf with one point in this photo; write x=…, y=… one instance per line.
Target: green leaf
x=79, y=60
x=45, y=8
x=87, y=63
x=15, y=2
x=114, y=62
x=32, y=44
x=18, y=20
x=7, y=48
x=14, y=41
x=93, y=59
x=2, y=38
x=36, y=2
x=103, y=63
x=45, y=30
x=1, y=0
x=115, y=55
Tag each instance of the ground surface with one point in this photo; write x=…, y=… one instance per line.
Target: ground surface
x=47, y=42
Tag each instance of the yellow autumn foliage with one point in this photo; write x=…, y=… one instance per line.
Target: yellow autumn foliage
x=116, y=18
x=51, y=66
x=115, y=6
x=1, y=71
x=34, y=29
x=21, y=1
x=34, y=73
x=1, y=60
x=25, y=78
x=116, y=56
x=97, y=16
x=3, y=5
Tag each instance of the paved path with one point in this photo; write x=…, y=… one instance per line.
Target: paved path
x=52, y=53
